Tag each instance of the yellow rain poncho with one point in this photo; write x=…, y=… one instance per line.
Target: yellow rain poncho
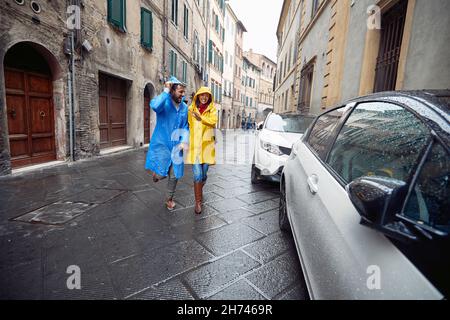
x=202, y=139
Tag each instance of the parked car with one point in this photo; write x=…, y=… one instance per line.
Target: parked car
x=366, y=196
x=273, y=144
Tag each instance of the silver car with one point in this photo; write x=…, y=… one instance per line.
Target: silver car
x=366, y=195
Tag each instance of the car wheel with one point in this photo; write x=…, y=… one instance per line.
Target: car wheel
x=282, y=211
x=255, y=175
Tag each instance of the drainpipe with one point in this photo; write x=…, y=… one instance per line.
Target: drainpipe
x=165, y=31
x=70, y=81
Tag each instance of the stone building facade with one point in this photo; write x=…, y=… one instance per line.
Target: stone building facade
x=345, y=49
x=123, y=52
x=238, y=105
x=266, y=83
x=228, y=70
x=216, y=36
x=250, y=87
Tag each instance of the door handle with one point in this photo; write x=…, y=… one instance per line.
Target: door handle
x=313, y=184
x=42, y=114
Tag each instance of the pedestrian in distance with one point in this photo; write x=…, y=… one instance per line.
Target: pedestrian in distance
x=202, y=120
x=170, y=138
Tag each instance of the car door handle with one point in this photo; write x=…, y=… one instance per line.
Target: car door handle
x=313, y=184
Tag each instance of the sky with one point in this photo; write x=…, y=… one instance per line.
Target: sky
x=260, y=18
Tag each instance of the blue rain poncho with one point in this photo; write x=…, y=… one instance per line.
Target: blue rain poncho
x=171, y=130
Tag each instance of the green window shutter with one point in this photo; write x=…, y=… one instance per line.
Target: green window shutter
x=170, y=62
x=175, y=65
x=186, y=22
x=146, y=28
x=210, y=55
x=184, y=72
x=176, y=12
x=173, y=10
x=117, y=13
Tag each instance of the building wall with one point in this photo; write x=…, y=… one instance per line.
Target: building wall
x=115, y=53
x=215, y=74
x=430, y=39
x=48, y=37
x=199, y=25
x=345, y=50
x=287, y=36
x=266, y=83
x=251, y=90
x=238, y=106
x=354, y=52
x=138, y=66
x=228, y=73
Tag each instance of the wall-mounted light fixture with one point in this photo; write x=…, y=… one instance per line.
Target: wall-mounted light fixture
x=87, y=46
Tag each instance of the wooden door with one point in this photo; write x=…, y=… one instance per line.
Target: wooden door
x=29, y=104
x=112, y=111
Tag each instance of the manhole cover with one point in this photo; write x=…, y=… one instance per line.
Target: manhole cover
x=56, y=213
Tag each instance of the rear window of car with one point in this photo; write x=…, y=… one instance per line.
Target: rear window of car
x=293, y=124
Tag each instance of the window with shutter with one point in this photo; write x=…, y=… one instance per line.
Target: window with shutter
x=117, y=13
x=146, y=28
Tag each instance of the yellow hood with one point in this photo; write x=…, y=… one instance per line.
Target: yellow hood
x=201, y=91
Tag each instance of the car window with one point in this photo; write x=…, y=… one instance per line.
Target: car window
x=294, y=124
x=322, y=132
x=378, y=139
x=429, y=200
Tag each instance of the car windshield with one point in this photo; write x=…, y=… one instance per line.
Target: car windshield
x=283, y=123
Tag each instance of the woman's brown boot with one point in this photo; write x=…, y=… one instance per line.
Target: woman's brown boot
x=198, y=197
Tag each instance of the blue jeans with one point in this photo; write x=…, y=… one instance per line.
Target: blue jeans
x=200, y=172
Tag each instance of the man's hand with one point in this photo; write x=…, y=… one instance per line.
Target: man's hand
x=168, y=85
x=196, y=116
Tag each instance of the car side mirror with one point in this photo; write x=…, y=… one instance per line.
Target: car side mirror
x=260, y=127
x=378, y=200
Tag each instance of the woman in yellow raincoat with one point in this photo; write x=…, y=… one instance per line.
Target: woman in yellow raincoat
x=202, y=118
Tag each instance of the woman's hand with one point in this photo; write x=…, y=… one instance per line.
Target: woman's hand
x=196, y=116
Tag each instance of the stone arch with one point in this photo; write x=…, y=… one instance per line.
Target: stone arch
x=24, y=62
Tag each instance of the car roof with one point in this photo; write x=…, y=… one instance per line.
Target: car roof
x=293, y=115
x=436, y=99
x=432, y=106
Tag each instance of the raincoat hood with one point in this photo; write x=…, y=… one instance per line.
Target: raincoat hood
x=203, y=90
x=174, y=80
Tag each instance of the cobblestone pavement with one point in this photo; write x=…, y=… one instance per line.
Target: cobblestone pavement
x=107, y=217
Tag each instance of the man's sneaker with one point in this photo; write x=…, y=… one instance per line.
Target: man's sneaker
x=155, y=179
x=170, y=205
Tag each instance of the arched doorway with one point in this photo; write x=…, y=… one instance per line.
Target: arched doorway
x=29, y=105
x=149, y=93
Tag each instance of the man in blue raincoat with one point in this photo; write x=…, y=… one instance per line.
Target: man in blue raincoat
x=170, y=138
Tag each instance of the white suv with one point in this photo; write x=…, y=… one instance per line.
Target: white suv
x=273, y=144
